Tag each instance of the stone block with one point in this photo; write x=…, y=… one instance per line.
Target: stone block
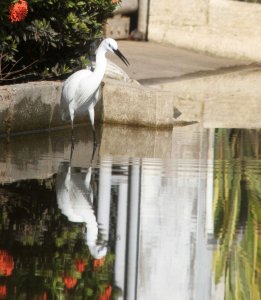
x=29, y=106
x=128, y=104
x=117, y=27
x=136, y=105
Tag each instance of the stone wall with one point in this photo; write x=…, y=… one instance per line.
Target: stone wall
x=220, y=27
x=30, y=106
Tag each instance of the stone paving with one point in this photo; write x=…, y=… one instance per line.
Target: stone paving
x=152, y=63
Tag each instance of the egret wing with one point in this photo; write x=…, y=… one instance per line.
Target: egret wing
x=69, y=91
x=85, y=91
x=72, y=83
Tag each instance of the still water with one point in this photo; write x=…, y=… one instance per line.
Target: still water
x=155, y=215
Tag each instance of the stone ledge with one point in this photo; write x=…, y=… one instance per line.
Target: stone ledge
x=35, y=106
x=220, y=100
x=130, y=104
x=29, y=106
x=230, y=100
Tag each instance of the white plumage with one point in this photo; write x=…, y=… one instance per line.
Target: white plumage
x=81, y=91
x=75, y=199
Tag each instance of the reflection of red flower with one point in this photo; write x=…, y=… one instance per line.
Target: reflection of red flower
x=3, y=291
x=6, y=263
x=70, y=282
x=97, y=263
x=18, y=11
x=80, y=265
x=106, y=295
x=45, y=296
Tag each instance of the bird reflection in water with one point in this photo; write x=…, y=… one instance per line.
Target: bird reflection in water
x=75, y=199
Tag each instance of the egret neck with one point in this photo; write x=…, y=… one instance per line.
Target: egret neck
x=101, y=63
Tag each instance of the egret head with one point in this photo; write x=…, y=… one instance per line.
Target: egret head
x=112, y=46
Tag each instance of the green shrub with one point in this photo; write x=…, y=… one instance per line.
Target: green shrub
x=53, y=39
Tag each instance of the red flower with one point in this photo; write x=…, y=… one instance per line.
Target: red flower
x=3, y=291
x=97, y=263
x=18, y=11
x=70, y=282
x=45, y=296
x=6, y=263
x=106, y=295
x=80, y=265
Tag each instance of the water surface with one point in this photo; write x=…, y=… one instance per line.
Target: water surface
x=156, y=214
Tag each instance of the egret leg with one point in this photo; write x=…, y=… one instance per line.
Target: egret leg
x=72, y=141
x=72, y=134
x=91, y=115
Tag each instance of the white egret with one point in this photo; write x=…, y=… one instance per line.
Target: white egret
x=81, y=91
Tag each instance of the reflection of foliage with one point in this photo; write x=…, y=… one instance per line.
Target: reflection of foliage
x=3, y=292
x=106, y=295
x=49, y=256
x=6, y=263
x=237, y=212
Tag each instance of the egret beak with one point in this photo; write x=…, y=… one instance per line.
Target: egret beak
x=121, y=56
